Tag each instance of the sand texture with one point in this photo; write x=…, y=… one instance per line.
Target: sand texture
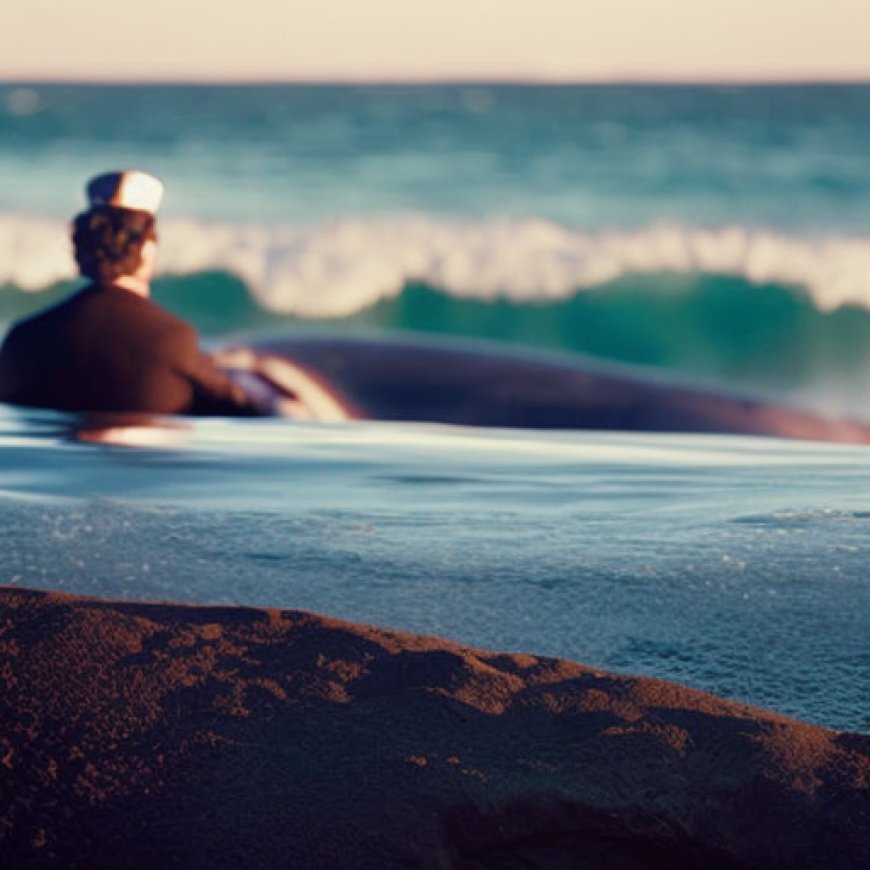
x=141, y=735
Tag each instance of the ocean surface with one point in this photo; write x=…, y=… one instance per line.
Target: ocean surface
x=716, y=234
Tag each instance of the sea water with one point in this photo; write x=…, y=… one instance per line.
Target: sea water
x=715, y=233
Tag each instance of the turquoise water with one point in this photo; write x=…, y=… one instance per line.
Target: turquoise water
x=582, y=156
x=717, y=234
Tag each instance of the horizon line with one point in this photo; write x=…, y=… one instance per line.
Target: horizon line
x=472, y=80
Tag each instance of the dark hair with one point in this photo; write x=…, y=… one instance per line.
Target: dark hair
x=108, y=241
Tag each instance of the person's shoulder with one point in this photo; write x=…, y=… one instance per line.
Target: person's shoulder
x=15, y=337
x=173, y=336
x=146, y=311
x=75, y=304
x=35, y=322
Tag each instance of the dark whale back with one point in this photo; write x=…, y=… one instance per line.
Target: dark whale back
x=420, y=380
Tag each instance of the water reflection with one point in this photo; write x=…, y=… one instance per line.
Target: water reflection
x=128, y=430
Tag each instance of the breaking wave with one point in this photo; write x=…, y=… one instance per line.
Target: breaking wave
x=342, y=268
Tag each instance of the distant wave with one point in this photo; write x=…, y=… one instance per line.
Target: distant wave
x=345, y=267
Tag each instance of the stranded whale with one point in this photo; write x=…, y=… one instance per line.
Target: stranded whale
x=414, y=379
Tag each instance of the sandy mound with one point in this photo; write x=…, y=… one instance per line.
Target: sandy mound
x=141, y=735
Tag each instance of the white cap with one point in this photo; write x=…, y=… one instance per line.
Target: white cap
x=129, y=188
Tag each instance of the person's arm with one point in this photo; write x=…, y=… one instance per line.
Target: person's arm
x=300, y=395
x=217, y=394
x=213, y=393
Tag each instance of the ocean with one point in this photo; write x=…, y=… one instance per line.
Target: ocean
x=717, y=235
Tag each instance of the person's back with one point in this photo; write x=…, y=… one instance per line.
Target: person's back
x=109, y=348
x=106, y=349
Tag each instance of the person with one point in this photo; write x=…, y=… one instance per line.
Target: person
x=110, y=348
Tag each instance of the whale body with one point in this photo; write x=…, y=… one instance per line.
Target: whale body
x=411, y=379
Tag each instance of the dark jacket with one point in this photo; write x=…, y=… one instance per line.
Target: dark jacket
x=107, y=349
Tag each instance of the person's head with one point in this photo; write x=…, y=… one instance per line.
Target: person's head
x=117, y=236
x=111, y=242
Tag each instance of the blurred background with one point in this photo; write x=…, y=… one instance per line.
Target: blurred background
x=666, y=184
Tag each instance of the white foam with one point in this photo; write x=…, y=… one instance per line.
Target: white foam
x=34, y=253
x=340, y=268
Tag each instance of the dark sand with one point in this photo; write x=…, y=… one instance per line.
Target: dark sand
x=140, y=735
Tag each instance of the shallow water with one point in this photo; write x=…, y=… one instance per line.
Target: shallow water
x=735, y=565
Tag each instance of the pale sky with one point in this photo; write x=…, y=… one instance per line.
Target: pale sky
x=435, y=39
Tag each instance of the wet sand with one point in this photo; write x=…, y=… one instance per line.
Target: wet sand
x=143, y=735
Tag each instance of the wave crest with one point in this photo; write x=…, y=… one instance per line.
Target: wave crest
x=341, y=268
